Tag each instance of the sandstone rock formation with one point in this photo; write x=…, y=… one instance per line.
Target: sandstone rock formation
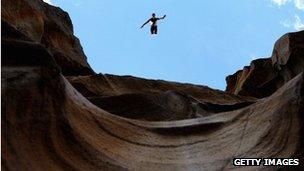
x=264, y=76
x=49, y=121
x=154, y=99
x=48, y=125
x=49, y=26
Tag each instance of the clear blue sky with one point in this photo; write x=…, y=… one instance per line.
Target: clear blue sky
x=200, y=41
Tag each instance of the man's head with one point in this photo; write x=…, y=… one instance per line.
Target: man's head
x=153, y=15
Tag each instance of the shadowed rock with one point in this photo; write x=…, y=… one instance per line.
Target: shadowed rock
x=49, y=26
x=46, y=124
x=156, y=100
x=161, y=106
x=264, y=76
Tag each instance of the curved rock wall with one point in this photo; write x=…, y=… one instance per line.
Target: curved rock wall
x=51, y=27
x=46, y=124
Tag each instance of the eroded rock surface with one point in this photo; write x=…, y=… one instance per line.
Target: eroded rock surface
x=264, y=76
x=48, y=125
x=50, y=26
x=48, y=120
x=145, y=99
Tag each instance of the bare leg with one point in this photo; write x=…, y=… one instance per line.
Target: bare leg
x=153, y=30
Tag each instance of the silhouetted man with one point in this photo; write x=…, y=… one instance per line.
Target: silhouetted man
x=153, y=20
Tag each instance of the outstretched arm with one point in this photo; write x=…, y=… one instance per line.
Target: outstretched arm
x=162, y=17
x=145, y=23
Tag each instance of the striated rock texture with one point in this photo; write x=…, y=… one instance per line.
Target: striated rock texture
x=109, y=85
x=48, y=125
x=50, y=26
x=264, y=76
x=49, y=121
x=144, y=99
x=288, y=56
x=255, y=80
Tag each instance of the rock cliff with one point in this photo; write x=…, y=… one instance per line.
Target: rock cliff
x=49, y=26
x=264, y=76
x=58, y=115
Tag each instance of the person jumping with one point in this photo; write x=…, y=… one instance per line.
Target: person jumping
x=153, y=20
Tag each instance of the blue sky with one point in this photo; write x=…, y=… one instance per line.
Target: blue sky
x=199, y=42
